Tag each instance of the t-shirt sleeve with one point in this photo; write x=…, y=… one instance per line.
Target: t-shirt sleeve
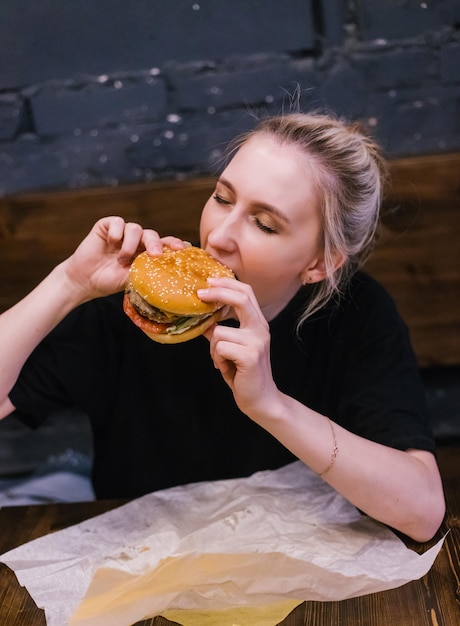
x=59, y=372
x=382, y=396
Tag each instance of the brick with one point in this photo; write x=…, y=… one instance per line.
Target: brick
x=400, y=68
x=219, y=67
x=69, y=162
x=267, y=85
x=195, y=144
x=59, y=40
x=11, y=112
x=450, y=10
x=341, y=89
x=64, y=110
x=119, y=155
x=450, y=63
x=416, y=121
x=94, y=160
x=332, y=21
x=400, y=19
x=28, y=165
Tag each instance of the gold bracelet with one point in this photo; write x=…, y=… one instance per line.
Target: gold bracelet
x=335, y=449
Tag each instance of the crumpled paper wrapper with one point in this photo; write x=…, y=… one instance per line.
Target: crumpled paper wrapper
x=258, y=544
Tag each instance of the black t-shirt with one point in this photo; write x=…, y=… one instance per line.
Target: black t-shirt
x=162, y=415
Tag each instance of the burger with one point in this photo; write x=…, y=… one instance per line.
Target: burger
x=161, y=294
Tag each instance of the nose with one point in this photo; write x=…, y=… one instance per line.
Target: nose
x=223, y=234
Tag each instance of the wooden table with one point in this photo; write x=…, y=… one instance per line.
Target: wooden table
x=432, y=601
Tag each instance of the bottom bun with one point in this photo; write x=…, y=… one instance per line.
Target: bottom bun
x=191, y=333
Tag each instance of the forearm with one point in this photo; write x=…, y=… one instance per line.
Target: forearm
x=401, y=489
x=24, y=325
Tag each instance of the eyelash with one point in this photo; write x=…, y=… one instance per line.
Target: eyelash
x=263, y=227
x=220, y=200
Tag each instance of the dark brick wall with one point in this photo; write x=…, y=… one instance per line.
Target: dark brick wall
x=103, y=92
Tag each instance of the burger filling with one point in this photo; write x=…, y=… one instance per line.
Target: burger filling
x=176, y=323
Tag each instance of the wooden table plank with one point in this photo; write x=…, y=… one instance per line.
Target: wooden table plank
x=432, y=601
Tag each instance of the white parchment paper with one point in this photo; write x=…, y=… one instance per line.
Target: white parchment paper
x=277, y=534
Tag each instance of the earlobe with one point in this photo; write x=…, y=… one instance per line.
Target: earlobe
x=314, y=273
x=318, y=271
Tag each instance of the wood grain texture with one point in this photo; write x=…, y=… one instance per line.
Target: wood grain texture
x=432, y=601
x=417, y=258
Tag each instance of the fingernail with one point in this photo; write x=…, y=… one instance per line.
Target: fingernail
x=155, y=250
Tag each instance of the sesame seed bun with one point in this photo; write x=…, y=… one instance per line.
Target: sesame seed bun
x=161, y=294
x=170, y=281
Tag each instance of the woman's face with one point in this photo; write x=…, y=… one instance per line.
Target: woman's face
x=264, y=222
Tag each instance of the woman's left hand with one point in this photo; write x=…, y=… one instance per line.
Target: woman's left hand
x=242, y=354
x=368, y=474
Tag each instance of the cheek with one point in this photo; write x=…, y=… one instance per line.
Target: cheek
x=274, y=268
x=263, y=268
x=204, y=224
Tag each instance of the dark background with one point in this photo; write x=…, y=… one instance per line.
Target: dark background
x=104, y=92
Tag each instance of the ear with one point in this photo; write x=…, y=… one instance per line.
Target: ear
x=317, y=271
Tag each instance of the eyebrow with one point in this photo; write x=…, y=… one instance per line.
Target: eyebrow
x=266, y=207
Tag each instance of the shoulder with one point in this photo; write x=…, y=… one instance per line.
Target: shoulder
x=366, y=303
x=363, y=319
x=364, y=306
x=369, y=325
x=364, y=292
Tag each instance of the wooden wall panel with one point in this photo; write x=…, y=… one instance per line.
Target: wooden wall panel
x=37, y=231
x=417, y=258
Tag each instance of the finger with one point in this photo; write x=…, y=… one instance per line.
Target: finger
x=253, y=343
x=226, y=313
x=175, y=243
x=130, y=243
x=236, y=295
x=226, y=344
x=152, y=242
x=208, y=333
x=113, y=228
x=232, y=358
x=226, y=367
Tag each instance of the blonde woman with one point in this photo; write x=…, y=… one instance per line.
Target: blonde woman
x=313, y=362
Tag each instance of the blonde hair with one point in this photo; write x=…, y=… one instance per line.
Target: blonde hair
x=350, y=176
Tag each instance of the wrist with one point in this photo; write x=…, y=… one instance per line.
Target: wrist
x=310, y=436
x=272, y=411
x=64, y=290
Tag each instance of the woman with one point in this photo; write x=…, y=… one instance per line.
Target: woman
x=314, y=362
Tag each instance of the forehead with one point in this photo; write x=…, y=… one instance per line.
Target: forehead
x=276, y=171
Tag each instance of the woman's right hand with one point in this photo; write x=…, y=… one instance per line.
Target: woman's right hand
x=100, y=264
x=98, y=267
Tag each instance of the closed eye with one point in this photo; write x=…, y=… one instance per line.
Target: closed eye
x=271, y=230
x=260, y=223
x=219, y=199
